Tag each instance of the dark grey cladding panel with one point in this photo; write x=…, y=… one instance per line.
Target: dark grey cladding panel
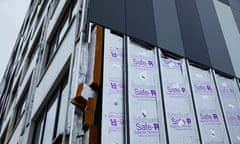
x=235, y=4
x=109, y=13
x=195, y=47
x=236, y=15
x=140, y=20
x=225, y=1
x=217, y=49
x=167, y=26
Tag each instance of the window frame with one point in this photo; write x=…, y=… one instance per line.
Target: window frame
x=56, y=96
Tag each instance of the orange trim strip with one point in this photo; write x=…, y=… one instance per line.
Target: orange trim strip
x=90, y=112
x=78, y=100
x=98, y=59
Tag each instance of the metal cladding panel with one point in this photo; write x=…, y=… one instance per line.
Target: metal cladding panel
x=217, y=49
x=209, y=115
x=180, y=119
x=235, y=4
x=143, y=95
x=229, y=96
x=140, y=20
x=230, y=33
x=108, y=13
x=167, y=26
x=225, y=1
x=195, y=47
x=112, y=106
x=236, y=15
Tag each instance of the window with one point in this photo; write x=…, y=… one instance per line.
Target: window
x=20, y=107
x=38, y=131
x=42, y=7
x=5, y=95
x=13, y=95
x=3, y=138
x=51, y=123
x=30, y=57
x=53, y=6
x=59, y=33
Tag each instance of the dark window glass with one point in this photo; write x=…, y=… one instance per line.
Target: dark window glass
x=50, y=125
x=38, y=131
x=62, y=109
x=20, y=108
x=58, y=35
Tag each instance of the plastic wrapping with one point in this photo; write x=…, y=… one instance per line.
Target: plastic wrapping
x=210, y=118
x=112, y=106
x=229, y=95
x=179, y=113
x=143, y=94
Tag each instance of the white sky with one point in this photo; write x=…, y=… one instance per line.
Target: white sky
x=12, y=14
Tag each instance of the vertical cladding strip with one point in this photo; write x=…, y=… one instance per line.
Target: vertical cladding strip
x=140, y=20
x=179, y=112
x=143, y=93
x=217, y=49
x=167, y=26
x=125, y=91
x=230, y=33
x=195, y=47
x=96, y=69
x=225, y=1
x=238, y=81
x=236, y=14
x=160, y=103
x=209, y=116
x=229, y=95
x=112, y=106
x=235, y=4
x=108, y=13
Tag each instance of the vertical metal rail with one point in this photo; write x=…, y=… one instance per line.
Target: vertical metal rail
x=221, y=105
x=238, y=84
x=163, y=137
x=159, y=53
x=193, y=100
x=229, y=93
x=180, y=120
x=125, y=91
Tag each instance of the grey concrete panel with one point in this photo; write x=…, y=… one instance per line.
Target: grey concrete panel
x=230, y=33
x=108, y=13
x=140, y=20
x=236, y=15
x=235, y=4
x=225, y=1
x=217, y=49
x=167, y=26
x=195, y=47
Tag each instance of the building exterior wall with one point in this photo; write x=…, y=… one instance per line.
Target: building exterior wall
x=90, y=71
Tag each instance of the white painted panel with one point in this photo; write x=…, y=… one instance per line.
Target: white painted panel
x=207, y=106
x=112, y=105
x=229, y=95
x=181, y=122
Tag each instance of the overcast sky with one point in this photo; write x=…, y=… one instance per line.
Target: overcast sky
x=12, y=14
